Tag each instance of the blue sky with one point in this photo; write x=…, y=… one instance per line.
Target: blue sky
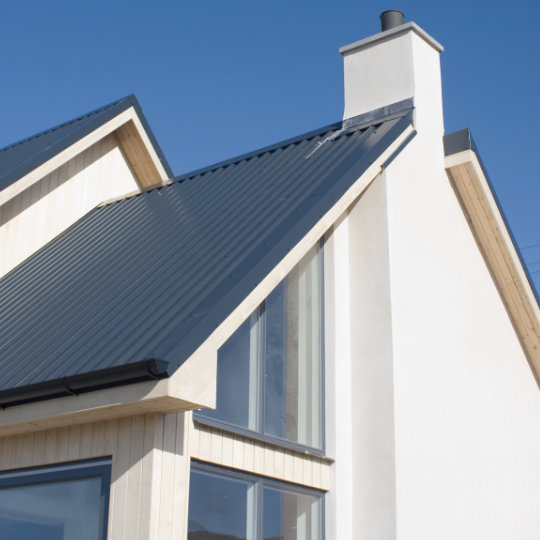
x=217, y=78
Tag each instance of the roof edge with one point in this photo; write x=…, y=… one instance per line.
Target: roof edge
x=360, y=121
x=461, y=141
x=498, y=248
x=103, y=115
x=355, y=177
x=144, y=370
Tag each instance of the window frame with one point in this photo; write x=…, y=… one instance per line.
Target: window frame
x=260, y=482
x=58, y=472
x=200, y=418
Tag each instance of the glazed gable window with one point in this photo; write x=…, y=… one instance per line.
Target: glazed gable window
x=63, y=502
x=270, y=371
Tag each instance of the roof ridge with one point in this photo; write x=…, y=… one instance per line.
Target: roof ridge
x=345, y=126
x=342, y=127
x=66, y=123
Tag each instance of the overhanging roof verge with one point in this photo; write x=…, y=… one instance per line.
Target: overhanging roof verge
x=19, y=159
x=495, y=241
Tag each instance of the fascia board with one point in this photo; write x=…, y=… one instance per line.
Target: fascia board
x=498, y=249
x=59, y=159
x=163, y=396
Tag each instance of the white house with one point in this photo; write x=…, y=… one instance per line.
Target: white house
x=333, y=337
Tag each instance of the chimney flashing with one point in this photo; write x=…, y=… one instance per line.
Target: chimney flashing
x=390, y=34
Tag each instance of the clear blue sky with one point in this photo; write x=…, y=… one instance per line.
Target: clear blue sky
x=218, y=78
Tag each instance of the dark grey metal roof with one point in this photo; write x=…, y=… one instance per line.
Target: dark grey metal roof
x=20, y=158
x=152, y=276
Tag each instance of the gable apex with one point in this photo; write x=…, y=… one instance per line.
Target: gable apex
x=28, y=160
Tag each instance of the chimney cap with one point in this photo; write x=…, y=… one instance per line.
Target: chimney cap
x=391, y=18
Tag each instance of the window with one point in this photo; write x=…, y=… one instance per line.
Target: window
x=64, y=502
x=235, y=506
x=270, y=370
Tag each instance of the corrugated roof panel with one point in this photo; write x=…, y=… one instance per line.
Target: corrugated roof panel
x=154, y=274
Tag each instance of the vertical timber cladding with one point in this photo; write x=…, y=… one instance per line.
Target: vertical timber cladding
x=235, y=451
x=149, y=474
x=60, y=198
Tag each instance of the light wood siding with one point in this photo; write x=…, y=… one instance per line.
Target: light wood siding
x=151, y=462
x=149, y=476
x=238, y=452
x=34, y=217
x=137, y=153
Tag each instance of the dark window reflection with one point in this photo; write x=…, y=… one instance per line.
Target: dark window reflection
x=235, y=378
x=68, y=510
x=232, y=506
x=218, y=508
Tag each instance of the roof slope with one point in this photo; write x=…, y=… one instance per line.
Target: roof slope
x=152, y=276
x=17, y=160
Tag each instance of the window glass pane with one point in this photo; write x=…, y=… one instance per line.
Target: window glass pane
x=293, y=316
x=279, y=385
x=269, y=371
x=220, y=507
x=237, y=376
x=290, y=516
x=66, y=510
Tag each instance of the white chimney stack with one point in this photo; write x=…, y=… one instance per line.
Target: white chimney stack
x=399, y=63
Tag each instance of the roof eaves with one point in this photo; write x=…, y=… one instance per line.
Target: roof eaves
x=144, y=370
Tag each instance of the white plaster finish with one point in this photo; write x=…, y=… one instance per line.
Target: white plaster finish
x=385, y=71
x=466, y=402
x=338, y=412
x=371, y=376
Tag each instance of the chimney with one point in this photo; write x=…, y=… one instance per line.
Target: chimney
x=400, y=62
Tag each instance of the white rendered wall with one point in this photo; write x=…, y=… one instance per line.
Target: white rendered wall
x=44, y=210
x=466, y=404
x=445, y=408
x=359, y=372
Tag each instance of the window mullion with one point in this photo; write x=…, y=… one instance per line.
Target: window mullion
x=261, y=404
x=260, y=509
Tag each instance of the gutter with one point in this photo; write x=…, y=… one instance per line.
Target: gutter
x=73, y=385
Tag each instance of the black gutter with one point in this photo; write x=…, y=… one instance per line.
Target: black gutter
x=73, y=385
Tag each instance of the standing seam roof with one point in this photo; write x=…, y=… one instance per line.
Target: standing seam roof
x=151, y=276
